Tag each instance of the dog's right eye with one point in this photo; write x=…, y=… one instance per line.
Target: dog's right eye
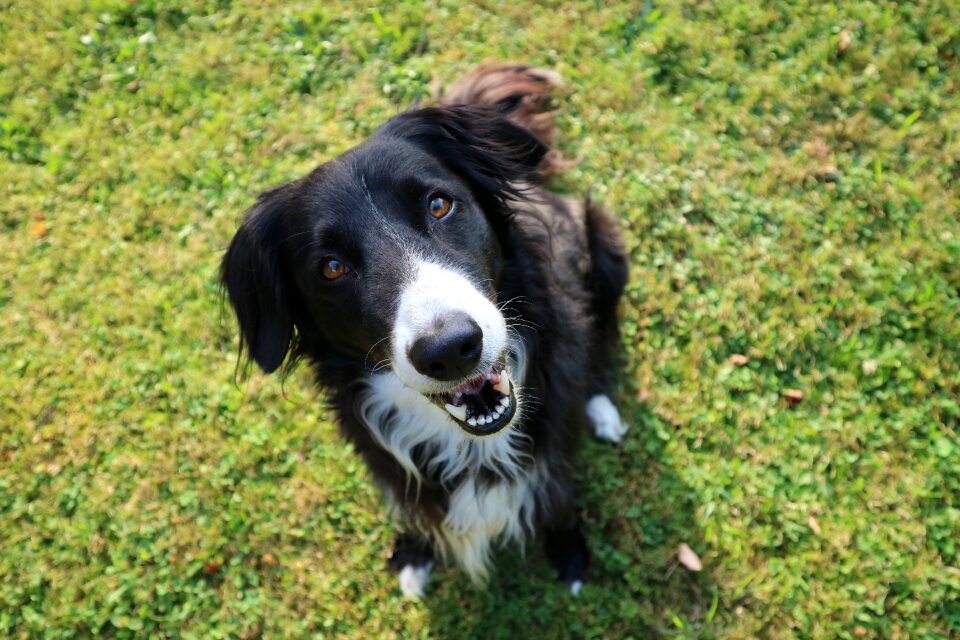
x=332, y=268
x=439, y=205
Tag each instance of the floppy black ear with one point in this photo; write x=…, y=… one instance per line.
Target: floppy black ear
x=252, y=274
x=479, y=143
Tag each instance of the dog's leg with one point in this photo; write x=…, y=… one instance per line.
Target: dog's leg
x=606, y=281
x=412, y=561
x=567, y=550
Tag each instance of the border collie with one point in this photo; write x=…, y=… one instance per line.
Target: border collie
x=461, y=320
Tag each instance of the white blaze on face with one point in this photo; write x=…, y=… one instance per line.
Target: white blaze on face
x=432, y=293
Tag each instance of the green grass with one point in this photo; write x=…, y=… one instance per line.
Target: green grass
x=788, y=177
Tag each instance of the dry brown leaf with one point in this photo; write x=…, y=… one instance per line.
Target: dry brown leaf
x=793, y=396
x=39, y=229
x=814, y=525
x=844, y=40
x=689, y=558
x=738, y=359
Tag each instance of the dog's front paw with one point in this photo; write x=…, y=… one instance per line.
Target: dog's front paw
x=412, y=561
x=568, y=553
x=413, y=580
x=607, y=424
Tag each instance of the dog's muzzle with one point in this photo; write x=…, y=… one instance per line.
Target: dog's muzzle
x=450, y=344
x=485, y=403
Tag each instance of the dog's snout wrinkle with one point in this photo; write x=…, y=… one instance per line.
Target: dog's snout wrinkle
x=450, y=350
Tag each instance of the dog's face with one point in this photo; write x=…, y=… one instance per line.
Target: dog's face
x=390, y=256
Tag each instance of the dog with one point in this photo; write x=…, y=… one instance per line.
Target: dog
x=460, y=318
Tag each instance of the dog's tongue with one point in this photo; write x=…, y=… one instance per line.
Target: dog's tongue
x=486, y=405
x=477, y=383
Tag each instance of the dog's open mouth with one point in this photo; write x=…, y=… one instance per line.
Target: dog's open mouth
x=484, y=405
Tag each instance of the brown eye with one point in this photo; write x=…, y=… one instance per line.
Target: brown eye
x=440, y=205
x=332, y=268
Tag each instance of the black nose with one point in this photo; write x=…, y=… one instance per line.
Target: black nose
x=451, y=350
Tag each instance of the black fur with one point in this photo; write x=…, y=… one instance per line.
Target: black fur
x=558, y=264
x=414, y=551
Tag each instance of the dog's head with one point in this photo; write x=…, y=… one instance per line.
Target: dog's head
x=391, y=255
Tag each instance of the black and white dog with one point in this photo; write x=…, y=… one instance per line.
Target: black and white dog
x=461, y=320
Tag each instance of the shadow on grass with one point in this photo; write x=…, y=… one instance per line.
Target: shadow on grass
x=637, y=512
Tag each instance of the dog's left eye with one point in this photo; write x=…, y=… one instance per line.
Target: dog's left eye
x=333, y=269
x=440, y=205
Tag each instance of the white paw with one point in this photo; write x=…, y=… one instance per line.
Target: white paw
x=607, y=424
x=575, y=587
x=414, y=579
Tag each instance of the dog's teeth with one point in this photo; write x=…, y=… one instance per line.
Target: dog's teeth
x=472, y=422
x=504, y=385
x=505, y=402
x=460, y=413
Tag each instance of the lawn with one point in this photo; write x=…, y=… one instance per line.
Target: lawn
x=788, y=176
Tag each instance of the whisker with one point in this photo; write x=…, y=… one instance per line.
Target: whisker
x=371, y=351
x=524, y=322
x=305, y=247
x=298, y=233
x=383, y=364
x=506, y=303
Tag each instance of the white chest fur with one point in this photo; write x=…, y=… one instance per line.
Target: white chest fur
x=402, y=420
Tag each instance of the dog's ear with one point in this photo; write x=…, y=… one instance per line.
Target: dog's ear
x=479, y=143
x=253, y=275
